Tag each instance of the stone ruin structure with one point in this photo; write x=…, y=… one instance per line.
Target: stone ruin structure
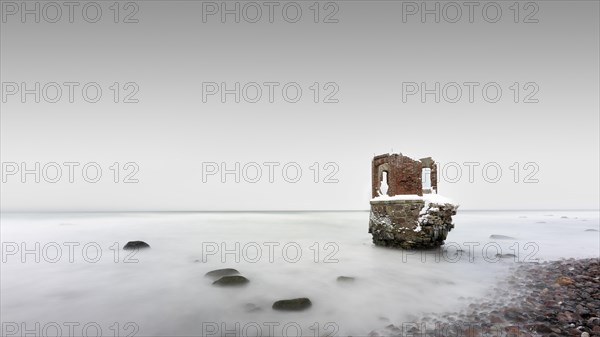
x=409, y=213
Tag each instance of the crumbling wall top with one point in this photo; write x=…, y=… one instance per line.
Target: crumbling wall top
x=395, y=174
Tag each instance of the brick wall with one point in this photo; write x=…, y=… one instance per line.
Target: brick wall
x=404, y=175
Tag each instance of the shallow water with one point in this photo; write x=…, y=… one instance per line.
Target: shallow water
x=163, y=292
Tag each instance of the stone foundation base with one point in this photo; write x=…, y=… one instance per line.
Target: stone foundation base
x=410, y=224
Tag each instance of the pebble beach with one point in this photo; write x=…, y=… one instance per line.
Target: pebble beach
x=558, y=298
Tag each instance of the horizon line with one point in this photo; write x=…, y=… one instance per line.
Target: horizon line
x=278, y=211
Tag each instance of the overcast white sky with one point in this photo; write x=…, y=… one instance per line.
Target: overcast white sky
x=362, y=66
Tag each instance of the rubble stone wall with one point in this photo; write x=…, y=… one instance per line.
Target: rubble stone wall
x=410, y=224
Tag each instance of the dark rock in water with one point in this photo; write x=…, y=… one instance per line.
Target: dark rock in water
x=136, y=245
x=295, y=304
x=345, y=279
x=591, y=230
x=501, y=237
x=502, y=256
x=222, y=272
x=231, y=281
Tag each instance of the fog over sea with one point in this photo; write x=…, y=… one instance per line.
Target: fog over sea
x=86, y=282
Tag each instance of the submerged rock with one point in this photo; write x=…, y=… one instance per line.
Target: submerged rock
x=222, y=272
x=345, y=279
x=501, y=237
x=231, y=281
x=502, y=256
x=136, y=245
x=296, y=304
x=251, y=307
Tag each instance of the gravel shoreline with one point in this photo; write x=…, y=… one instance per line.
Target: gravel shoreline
x=559, y=298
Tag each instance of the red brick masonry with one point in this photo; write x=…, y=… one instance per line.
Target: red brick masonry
x=404, y=175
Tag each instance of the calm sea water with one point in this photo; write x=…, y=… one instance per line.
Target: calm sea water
x=65, y=273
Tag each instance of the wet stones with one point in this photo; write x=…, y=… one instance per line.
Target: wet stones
x=559, y=298
x=231, y=281
x=227, y=277
x=295, y=304
x=231, y=278
x=222, y=272
x=131, y=245
x=564, y=281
